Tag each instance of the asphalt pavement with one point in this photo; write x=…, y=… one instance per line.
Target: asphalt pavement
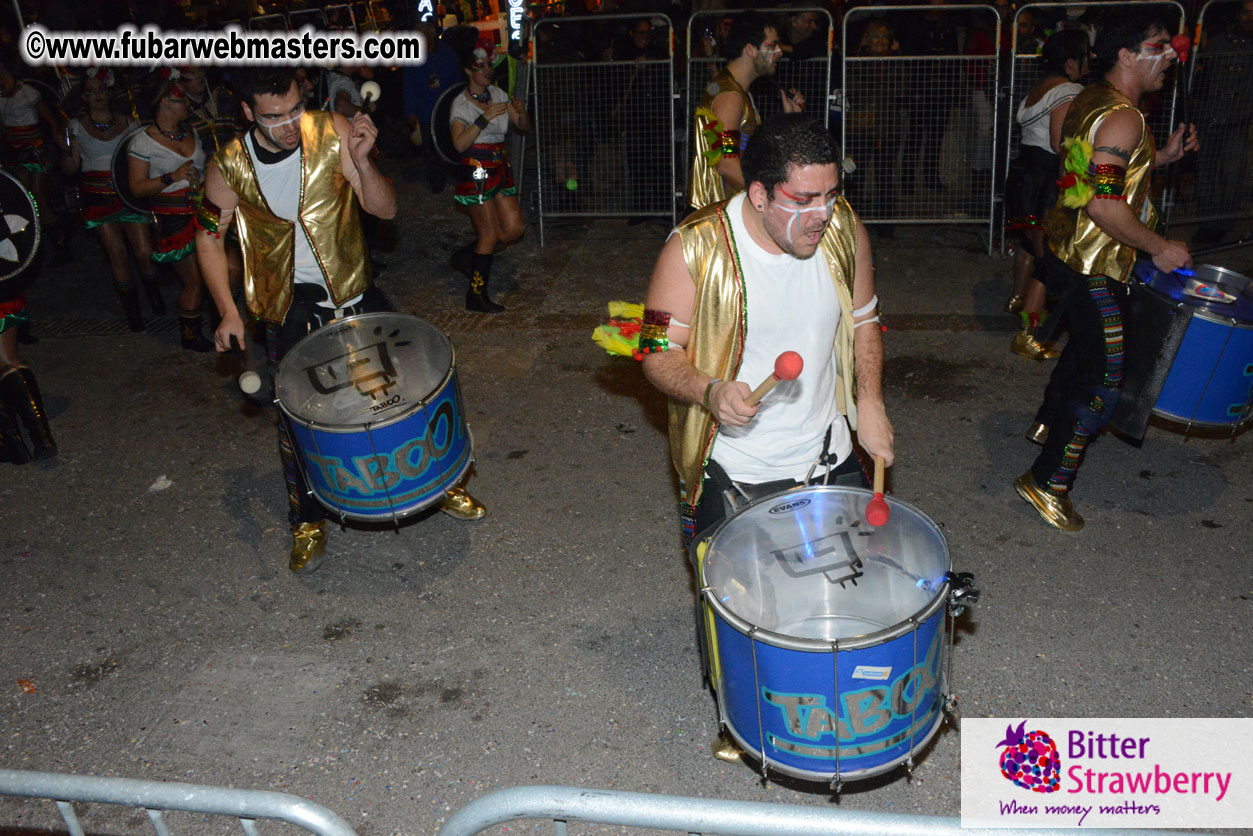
x=151, y=628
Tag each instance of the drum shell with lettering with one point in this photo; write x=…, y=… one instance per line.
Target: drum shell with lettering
x=804, y=666
x=406, y=448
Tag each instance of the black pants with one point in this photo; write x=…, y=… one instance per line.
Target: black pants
x=1087, y=381
x=303, y=318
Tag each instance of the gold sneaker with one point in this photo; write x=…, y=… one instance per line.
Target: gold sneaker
x=1038, y=434
x=1026, y=345
x=1015, y=303
x=726, y=749
x=457, y=503
x=308, y=543
x=1054, y=508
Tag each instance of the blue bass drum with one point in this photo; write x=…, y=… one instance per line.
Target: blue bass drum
x=373, y=406
x=1210, y=383
x=823, y=634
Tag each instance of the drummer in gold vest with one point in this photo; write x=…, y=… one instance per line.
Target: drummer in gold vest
x=296, y=170
x=726, y=115
x=1102, y=217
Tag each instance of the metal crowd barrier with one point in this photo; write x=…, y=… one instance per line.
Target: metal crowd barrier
x=157, y=798
x=811, y=76
x=710, y=816
x=922, y=128
x=1220, y=84
x=604, y=129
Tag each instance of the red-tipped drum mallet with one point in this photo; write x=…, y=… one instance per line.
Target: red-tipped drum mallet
x=877, y=512
x=1182, y=45
x=787, y=366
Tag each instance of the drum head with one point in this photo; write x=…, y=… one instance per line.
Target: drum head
x=1210, y=289
x=805, y=565
x=370, y=369
x=441, y=133
x=19, y=236
x=122, y=174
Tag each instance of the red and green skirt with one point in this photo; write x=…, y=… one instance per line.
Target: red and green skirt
x=471, y=191
x=101, y=205
x=175, y=213
x=13, y=312
x=30, y=152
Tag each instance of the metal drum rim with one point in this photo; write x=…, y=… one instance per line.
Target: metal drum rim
x=786, y=642
x=853, y=775
x=1202, y=309
x=391, y=419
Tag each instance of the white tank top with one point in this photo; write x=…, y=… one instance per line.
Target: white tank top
x=792, y=306
x=280, y=185
x=97, y=154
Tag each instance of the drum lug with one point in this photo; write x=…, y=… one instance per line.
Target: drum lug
x=909, y=768
x=950, y=706
x=962, y=593
x=837, y=784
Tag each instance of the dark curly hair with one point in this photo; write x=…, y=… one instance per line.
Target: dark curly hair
x=1124, y=30
x=783, y=141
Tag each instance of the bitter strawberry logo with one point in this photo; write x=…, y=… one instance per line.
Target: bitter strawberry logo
x=1030, y=759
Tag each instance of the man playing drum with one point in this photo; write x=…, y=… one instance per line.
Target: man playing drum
x=297, y=170
x=726, y=116
x=1101, y=218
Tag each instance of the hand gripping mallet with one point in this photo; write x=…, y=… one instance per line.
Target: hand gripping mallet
x=370, y=92
x=877, y=512
x=249, y=381
x=787, y=366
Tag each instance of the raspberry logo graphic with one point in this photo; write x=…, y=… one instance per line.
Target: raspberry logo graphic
x=1030, y=759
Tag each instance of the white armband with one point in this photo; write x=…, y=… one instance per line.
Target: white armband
x=867, y=308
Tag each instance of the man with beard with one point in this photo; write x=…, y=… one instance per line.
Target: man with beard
x=726, y=116
x=1101, y=218
x=295, y=180
x=784, y=266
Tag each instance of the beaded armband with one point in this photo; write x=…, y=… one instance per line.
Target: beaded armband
x=1108, y=181
x=209, y=217
x=726, y=143
x=653, y=339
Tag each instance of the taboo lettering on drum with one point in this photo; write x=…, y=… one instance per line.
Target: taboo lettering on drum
x=854, y=730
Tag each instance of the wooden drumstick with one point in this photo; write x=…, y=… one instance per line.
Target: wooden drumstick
x=1182, y=45
x=370, y=92
x=877, y=512
x=249, y=381
x=787, y=366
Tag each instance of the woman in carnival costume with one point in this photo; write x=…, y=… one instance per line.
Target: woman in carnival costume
x=1031, y=188
x=480, y=119
x=93, y=138
x=27, y=118
x=167, y=167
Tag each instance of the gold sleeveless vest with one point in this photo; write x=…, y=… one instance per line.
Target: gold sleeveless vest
x=719, y=322
x=328, y=215
x=705, y=185
x=1073, y=236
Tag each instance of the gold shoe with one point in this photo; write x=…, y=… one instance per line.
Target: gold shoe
x=1053, y=507
x=457, y=503
x=1026, y=345
x=726, y=749
x=1015, y=303
x=308, y=543
x=1038, y=434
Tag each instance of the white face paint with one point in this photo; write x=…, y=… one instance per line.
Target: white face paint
x=798, y=214
x=795, y=210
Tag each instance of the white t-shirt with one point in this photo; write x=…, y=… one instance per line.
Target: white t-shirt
x=463, y=110
x=97, y=154
x=19, y=110
x=1035, y=119
x=792, y=306
x=162, y=160
x=280, y=186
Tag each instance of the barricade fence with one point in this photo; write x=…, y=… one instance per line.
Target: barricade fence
x=1220, y=100
x=604, y=122
x=922, y=98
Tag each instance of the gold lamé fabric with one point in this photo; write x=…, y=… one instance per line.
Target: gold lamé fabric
x=705, y=184
x=328, y=213
x=719, y=322
x=1073, y=236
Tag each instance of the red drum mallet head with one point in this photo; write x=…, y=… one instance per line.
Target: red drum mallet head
x=1182, y=45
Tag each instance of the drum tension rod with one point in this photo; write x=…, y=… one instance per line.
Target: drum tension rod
x=962, y=594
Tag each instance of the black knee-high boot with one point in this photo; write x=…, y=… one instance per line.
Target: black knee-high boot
x=21, y=394
x=152, y=289
x=189, y=332
x=480, y=277
x=129, y=298
x=12, y=447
